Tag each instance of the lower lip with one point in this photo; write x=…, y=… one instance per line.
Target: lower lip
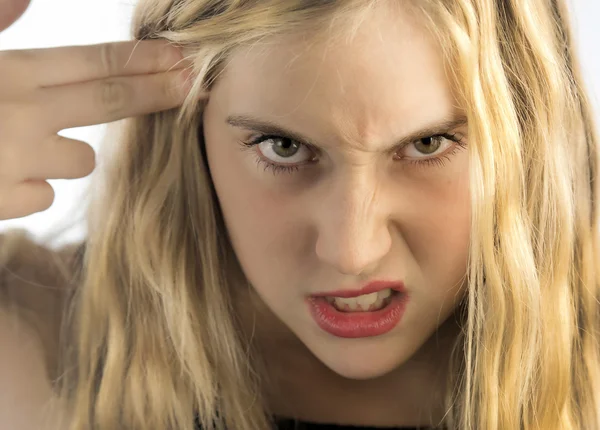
x=357, y=324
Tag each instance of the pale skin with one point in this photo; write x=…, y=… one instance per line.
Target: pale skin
x=351, y=212
x=360, y=212
x=36, y=88
x=104, y=83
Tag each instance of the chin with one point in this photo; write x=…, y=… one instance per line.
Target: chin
x=360, y=373
x=360, y=359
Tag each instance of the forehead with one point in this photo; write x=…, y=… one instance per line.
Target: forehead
x=385, y=80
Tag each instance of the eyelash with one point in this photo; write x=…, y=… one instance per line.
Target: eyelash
x=438, y=161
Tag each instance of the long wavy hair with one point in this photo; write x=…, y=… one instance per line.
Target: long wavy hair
x=153, y=338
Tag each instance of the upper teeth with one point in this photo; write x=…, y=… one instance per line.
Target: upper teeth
x=363, y=302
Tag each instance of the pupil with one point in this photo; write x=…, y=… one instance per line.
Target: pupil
x=285, y=147
x=428, y=145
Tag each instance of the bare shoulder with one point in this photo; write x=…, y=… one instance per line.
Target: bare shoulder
x=36, y=286
x=27, y=401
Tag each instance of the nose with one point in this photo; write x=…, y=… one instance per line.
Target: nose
x=353, y=230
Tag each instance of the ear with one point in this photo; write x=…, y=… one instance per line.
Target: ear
x=10, y=11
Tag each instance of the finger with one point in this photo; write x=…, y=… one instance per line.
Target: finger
x=10, y=11
x=25, y=198
x=73, y=64
x=60, y=158
x=102, y=102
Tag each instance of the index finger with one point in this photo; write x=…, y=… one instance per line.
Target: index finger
x=75, y=64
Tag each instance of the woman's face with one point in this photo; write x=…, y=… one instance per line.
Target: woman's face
x=373, y=198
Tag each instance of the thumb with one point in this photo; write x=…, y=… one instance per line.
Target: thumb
x=10, y=11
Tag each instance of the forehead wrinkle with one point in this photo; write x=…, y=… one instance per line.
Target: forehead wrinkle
x=356, y=114
x=356, y=125
x=353, y=131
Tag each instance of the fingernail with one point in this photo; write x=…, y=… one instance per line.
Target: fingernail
x=175, y=54
x=171, y=56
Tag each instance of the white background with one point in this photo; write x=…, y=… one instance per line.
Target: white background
x=51, y=23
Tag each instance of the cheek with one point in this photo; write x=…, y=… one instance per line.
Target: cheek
x=261, y=224
x=437, y=228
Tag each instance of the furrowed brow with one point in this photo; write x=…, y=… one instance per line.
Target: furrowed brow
x=249, y=122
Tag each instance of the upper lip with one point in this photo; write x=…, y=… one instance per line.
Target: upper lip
x=370, y=287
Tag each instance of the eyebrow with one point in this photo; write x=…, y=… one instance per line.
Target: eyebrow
x=267, y=127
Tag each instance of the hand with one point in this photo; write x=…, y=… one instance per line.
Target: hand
x=44, y=91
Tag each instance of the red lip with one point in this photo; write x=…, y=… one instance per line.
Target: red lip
x=354, y=325
x=371, y=287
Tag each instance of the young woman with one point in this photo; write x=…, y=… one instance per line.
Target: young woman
x=364, y=213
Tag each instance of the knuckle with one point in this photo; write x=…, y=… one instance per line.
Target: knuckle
x=15, y=118
x=8, y=60
x=8, y=118
x=15, y=57
x=113, y=96
x=13, y=64
x=109, y=59
x=11, y=161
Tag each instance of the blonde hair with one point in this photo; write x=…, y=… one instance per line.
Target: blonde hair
x=156, y=340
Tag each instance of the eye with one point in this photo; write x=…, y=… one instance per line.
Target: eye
x=430, y=145
x=279, y=153
x=282, y=150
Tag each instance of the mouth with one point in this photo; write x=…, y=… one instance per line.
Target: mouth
x=367, y=315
